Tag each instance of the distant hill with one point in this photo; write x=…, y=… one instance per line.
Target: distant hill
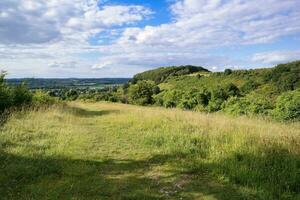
x=161, y=74
x=283, y=77
x=52, y=83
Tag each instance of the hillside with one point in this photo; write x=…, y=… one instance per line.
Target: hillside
x=272, y=92
x=105, y=151
x=284, y=76
x=162, y=74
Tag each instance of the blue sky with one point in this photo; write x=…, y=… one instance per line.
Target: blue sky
x=118, y=38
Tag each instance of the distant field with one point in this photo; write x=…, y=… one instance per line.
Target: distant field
x=114, y=151
x=92, y=83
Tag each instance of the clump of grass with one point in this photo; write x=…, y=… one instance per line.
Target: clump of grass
x=115, y=151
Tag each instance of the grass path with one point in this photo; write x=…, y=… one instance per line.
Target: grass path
x=114, y=151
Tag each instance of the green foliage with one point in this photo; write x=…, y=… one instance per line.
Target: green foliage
x=141, y=93
x=6, y=94
x=228, y=71
x=249, y=86
x=288, y=106
x=237, y=92
x=285, y=76
x=237, y=106
x=72, y=94
x=159, y=75
x=172, y=98
x=21, y=95
x=248, y=105
x=13, y=96
x=42, y=98
x=215, y=105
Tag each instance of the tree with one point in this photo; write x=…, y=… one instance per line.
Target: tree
x=249, y=86
x=172, y=98
x=21, y=95
x=288, y=106
x=72, y=94
x=227, y=71
x=5, y=94
x=141, y=93
x=231, y=90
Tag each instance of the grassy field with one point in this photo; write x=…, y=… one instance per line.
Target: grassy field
x=115, y=151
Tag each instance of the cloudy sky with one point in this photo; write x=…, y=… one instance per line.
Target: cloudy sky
x=118, y=38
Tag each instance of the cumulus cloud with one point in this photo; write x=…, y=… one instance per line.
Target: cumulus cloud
x=276, y=57
x=163, y=59
x=214, y=23
x=54, y=36
x=66, y=64
x=41, y=21
x=102, y=65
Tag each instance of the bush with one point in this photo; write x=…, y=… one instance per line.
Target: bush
x=288, y=106
x=172, y=98
x=237, y=106
x=249, y=86
x=214, y=105
x=227, y=71
x=188, y=100
x=251, y=104
x=231, y=90
x=13, y=96
x=5, y=97
x=141, y=93
x=159, y=99
x=72, y=95
x=203, y=97
x=42, y=98
x=21, y=95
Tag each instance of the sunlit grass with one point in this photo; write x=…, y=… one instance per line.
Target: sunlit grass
x=116, y=151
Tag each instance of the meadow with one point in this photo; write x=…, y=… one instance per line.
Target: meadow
x=116, y=151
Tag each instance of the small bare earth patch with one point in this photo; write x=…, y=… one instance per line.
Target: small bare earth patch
x=176, y=186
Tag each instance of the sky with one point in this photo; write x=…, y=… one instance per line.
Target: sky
x=119, y=38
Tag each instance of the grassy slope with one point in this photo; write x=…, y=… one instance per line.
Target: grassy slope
x=212, y=80
x=114, y=151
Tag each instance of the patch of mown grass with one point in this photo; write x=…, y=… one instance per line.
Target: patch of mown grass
x=114, y=151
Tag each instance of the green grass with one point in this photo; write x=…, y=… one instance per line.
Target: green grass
x=115, y=151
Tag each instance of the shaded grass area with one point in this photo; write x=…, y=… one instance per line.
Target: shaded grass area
x=112, y=151
x=29, y=178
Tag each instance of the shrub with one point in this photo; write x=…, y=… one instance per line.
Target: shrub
x=21, y=95
x=188, y=100
x=237, y=106
x=231, y=90
x=249, y=86
x=251, y=104
x=72, y=95
x=42, y=98
x=214, y=105
x=5, y=97
x=13, y=96
x=141, y=93
x=227, y=71
x=288, y=106
x=203, y=97
x=172, y=98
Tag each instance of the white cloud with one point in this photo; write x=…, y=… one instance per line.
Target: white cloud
x=102, y=65
x=41, y=21
x=53, y=37
x=66, y=64
x=215, y=23
x=276, y=57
